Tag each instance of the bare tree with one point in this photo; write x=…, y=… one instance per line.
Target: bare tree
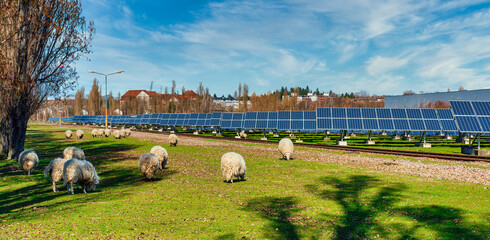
x=79, y=101
x=37, y=38
x=95, y=99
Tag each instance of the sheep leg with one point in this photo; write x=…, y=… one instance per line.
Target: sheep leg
x=29, y=172
x=84, y=191
x=54, y=187
x=70, y=188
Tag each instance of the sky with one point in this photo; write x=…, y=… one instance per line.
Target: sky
x=380, y=47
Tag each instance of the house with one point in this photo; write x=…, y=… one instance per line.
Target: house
x=140, y=94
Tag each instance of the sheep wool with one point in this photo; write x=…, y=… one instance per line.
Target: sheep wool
x=127, y=132
x=162, y=155
x=233, y=165
x=286, y=148
x=243, y=134
x=28, y=160
x=107, y=132
x=54, y=171
x=68, y=134
x=80, y=172
x=73, y=152
x=148, y=165
x=117, y=134
x=80, y=134
x=94, y=132
x=100, y=132
x=173, y=140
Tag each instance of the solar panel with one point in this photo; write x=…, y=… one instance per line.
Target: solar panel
x=339, y=123
x=338, y=113
x=462, y=108
x=386, y=124
x=399, y=113
x=283, y=115
x=368, y=112
x=272, y=120
x=383, y=112
x=353, y=113
x=445, y=114
x=485, y=123
x=416, y=125
x=323, y=112
x=237, y=121
x=251, y=115
x=414, y=113
x=310, y=115
x=296, y=125
x=432, y=125
x=401, y=124
x=449, y=125
x=283, y=124
x=309, y=125
x=262, y=115
x=215, y=119
x=355, y=123
x=468, y=124
x=324, y=123
x=297, y=115
x=429, y=113
x=370, y=124
x=482, y=108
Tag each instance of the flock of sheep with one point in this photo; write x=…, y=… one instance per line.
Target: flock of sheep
x=74, y=169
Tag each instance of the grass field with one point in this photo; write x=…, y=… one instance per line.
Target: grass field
x=189, y=200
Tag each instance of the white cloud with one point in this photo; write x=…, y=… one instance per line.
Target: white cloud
x=379, y=65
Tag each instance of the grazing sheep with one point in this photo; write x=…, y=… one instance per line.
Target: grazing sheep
x=243, y=134
x=173, y=139
x=127, y=132
x=233, y=165
x=94, y=132
x=148, y=165
x=286, y=148
x=73, y=152
x=68, y=134
x=107, y=132
x=162, y=155
x=54, y=171
x=117, y=134
x=100, y=132
x=81, y=172
x=80, y=134
x=28, y=160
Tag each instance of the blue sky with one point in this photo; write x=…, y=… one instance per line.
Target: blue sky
x=382, y=47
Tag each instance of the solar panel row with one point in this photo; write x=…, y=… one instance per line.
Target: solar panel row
x=472, y=116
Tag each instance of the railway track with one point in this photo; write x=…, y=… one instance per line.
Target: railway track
x=406, y=153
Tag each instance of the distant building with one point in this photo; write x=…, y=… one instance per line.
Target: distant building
x=141, y=94
x=416, y=100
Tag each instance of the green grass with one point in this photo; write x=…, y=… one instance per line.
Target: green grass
x=189, y=200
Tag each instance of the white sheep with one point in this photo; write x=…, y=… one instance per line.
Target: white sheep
x=73, y=152
x=107, y=132
x=100, y=132
x=54, y=171
x=286, y=148
x=81, y=172
x=68, y=134
x=233, y=165
x=243, y=134
x=173, y=140
x=127, y=132
x=28, y=160
x=94, y=132
x=148, y=165
x=162, y=155
x=80, y=134
x=117, y=134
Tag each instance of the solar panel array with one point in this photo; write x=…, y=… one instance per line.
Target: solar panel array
x=465, y=116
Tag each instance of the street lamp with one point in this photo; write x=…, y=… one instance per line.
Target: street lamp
x=105, y=75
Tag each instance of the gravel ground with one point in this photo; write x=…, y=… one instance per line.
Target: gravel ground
x=474, y=172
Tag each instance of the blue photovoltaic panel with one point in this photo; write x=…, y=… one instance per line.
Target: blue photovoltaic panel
x=485, y=123
x=249, y=123
x=251, y=115
x=468, y=124
x=262, y=115
x=238, y=116
x=445, y=114
x=416, y=125
x=339, y=123
x=353, y=113
x=399, y=113
x=283, y=124
x=462, y=108
x=284, y=115
x=310, y=115
x=261, y=124
x=297, y=115
x=370, y=124
x=215, y=119
x=338, y=113
x=354, y=123
x=414, y=113
x=482, y=108
x=432, y=125
x=225, y=124
x=272, y=120
x=165, y=116
x=208, y=119
x=309, y=125
x=324, y=123
x=323, y=112
x=383, y=112
x=297, y=124
x=236, y=124
x=429, y=113
x=401, y=124
x=368, y=112
x=449, y=125
x=386, y=124
x=145, y=119
x=226, y=116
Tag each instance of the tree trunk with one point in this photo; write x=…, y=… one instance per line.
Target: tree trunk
x=3, y=137
x=17, y=138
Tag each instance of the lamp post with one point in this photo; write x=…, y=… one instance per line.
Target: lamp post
x=105, y=75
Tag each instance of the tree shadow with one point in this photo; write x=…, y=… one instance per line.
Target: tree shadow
x=279, y=212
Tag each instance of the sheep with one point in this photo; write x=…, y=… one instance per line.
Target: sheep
x=73, y=152
x=28, y=160
x=54, y=171
x=68, y=134
x=100, y=132
x=243, y=134
x=81, y=172
x=127, y=132
x=80, y=134
x=107, y=132
x=94, y=132
x=173, y=140
x=148, y=165
x=162, y=155
x=286, y=148
x=233, y=165
x=117, y=134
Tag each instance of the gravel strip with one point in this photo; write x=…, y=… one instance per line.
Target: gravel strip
x=438, y=169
